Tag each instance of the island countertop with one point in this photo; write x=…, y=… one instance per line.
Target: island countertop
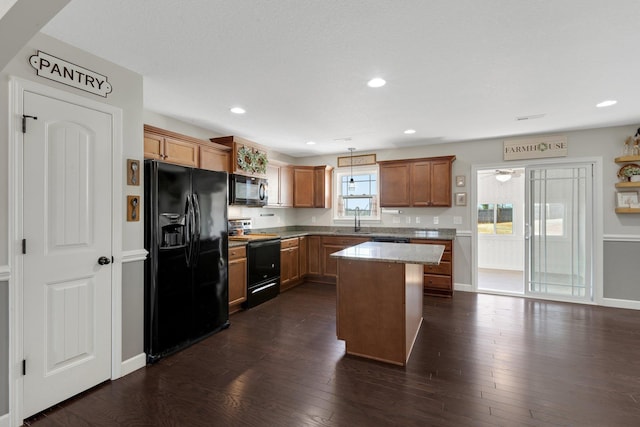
x=405, y=253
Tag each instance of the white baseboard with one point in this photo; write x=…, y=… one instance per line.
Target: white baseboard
x=621, y=303
x=132, y=364
x=621, y=238
x=4, y=420
x=462, y=287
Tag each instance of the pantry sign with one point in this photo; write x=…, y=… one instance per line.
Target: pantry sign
x=535, y=148
x=61, y=71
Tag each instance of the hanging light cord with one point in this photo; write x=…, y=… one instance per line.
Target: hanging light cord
x=352, y=183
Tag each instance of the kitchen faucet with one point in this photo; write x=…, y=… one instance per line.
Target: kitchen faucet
x=356, y=219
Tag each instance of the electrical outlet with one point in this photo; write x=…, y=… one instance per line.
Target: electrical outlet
x=313, y=220
x=436, y=220
x=278, y=219
x=408, y=220
x=417, y=220
x=396, y=220
x=457, y=220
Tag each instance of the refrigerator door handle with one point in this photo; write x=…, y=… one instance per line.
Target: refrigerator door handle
x=189, y=230
x=196, y=228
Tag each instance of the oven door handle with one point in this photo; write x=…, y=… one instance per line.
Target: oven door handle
x=262, y=288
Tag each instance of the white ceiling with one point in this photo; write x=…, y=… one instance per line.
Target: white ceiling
x=455, y=69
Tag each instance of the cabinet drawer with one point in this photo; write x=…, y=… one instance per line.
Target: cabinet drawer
x=344, y=241
x=437, y=282
x=237, y=252
x=289, y=243
x=443, y=268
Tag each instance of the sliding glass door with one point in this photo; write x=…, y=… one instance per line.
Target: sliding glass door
x=558, y=232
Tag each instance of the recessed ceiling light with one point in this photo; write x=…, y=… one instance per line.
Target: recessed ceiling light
x=607, y=103
x=311, y=143
x=530, y=117
x=376, y=82
x=410, y=131
x=238, y=110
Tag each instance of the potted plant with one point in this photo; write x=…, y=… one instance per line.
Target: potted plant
x=633, y=173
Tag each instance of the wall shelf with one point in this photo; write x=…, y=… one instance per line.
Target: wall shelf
x=627, y=184
x=626, y=159
x=627, y=210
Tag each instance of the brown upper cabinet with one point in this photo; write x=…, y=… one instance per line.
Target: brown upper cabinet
x=322, y=186
x=303, y=186
x=214, y=159
x=172, y=147
x=280, y=185
x=312, y=186
x=416, y=182
x=247, y=158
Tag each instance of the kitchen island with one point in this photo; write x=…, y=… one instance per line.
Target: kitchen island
x=379, y=297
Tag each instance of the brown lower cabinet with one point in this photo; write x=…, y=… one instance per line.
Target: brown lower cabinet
x=308, y=258
x=438, y=279
x=321, y=267
x=314, y=247
x=331, y=244
x=289, y=263
x=304, y=256
x=237, y=277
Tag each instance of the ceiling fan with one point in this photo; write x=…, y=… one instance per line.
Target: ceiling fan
x=504, y=175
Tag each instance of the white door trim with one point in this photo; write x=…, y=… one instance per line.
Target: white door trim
x=17, y=87
x=598, y=218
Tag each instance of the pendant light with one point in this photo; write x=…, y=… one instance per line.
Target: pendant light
x=352, y=183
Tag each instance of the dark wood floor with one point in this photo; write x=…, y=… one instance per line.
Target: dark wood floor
x=480, y=360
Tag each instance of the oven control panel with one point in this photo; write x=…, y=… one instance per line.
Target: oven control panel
x=239, y=226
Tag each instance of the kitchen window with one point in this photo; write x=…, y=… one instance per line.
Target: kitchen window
x=361, y=195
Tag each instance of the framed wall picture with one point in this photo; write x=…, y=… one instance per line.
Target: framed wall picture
x=460, y=180
x=461, y=199
x=133, y=172
x=627, y=198
x=364, y=159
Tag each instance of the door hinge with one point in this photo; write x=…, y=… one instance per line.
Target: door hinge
x=24, y=367
x=24, y=122
x=24, y=246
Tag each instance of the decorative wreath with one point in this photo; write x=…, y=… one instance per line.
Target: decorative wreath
x=260, y=162
x=627, y=170
x=252, y=160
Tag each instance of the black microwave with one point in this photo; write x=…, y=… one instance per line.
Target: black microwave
x=247, y=190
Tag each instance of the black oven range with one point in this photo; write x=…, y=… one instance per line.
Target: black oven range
x=263, y=271
x=263, y=261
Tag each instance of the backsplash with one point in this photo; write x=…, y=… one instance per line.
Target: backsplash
x=419, y=218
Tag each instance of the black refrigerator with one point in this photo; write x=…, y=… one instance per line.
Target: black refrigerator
x=186, y=276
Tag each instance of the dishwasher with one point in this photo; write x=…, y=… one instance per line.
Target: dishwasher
x=390, y=239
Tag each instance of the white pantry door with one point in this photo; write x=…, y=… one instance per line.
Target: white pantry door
x=67, y=226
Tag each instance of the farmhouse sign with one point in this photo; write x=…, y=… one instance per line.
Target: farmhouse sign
x=61, y=71
x=535, y=148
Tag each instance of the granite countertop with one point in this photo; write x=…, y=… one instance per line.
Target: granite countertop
x=367, y=232
x=393, y=252
x=371, y=232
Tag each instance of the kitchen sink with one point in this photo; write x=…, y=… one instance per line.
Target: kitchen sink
x=427, y=233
